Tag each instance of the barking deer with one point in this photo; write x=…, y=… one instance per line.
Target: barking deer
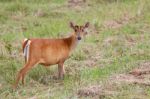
x=50, y=51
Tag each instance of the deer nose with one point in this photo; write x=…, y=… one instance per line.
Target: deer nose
x=79, y=38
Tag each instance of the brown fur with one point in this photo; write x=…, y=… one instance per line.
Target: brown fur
x=51, y=51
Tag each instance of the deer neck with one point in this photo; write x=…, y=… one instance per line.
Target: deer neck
x=72, y=41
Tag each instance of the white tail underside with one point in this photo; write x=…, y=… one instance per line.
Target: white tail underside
x=26, y=50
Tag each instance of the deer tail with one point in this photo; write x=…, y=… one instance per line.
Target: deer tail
x=26, y=46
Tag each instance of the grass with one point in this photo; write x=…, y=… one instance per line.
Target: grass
x=104, y=52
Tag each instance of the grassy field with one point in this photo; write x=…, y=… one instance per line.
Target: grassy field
x=118, y=42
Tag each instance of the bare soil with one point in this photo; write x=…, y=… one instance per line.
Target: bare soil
x=95, y=91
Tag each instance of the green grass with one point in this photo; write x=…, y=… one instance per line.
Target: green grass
x=103, y=53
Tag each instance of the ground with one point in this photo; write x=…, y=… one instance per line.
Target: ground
x=112, y=62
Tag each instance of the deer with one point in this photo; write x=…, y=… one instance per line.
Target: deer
x=49, y=52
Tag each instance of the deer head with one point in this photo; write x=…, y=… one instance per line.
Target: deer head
x=79, y=31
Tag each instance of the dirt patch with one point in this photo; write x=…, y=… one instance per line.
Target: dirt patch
x=90, y=91
x=130, y=79
x=89, y=63
x=95, y=91
x=128, y=41
x=40, y=13
x=140, y=75
x=118, y=23
x=34, y=97
x=77, y=4
x=112, y=24
x=144, y=68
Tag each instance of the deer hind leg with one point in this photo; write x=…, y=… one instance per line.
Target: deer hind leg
x=61, y=71
x=23, y=71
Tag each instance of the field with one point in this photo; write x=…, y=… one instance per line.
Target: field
x=112, y=62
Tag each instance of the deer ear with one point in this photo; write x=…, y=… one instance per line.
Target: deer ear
x=71, y=25
x=87, y=25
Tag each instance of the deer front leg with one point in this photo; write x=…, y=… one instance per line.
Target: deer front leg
x=61, y=71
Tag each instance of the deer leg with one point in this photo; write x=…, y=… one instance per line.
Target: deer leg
x=19, y=76
x=23, y=71
x=27, y=69
x=61, y=70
